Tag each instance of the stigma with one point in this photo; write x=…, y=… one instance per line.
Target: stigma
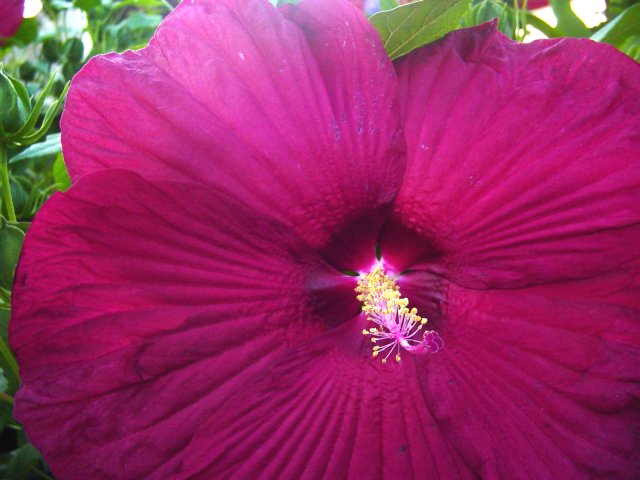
x=397, y=327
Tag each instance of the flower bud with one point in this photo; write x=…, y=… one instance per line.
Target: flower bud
x=51, y=50
x=74, y=49
x=486, y=10
x=13, y=111
x=27, y=71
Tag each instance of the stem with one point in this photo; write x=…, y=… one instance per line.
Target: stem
x=6, y=398
x=40, y=473
x=167, y=5
x=544, y=27
x=4, y=184
x=516, y=18
x=9, y=358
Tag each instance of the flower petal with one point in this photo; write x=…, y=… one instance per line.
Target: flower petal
x=10, y=17
x=299, y=122
x=524, y=160
x=544, y=377
x=326, y=409
x=138, y=308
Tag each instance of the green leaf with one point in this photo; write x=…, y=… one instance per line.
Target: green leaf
x=631, y=46
x=388, y=4
x=617, y=31
x=86, y=5
x=23, y=462
x=60, y=173
x=11, y=239
x=616, y=7
x=52, y=111
x=5, y=315
x=50, y=146
x=413, y=25
x=35, y=111
x=569, y=24
x=4, y=383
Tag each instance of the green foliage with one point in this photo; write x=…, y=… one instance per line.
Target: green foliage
x=623, y=32
x=24, y=462
x=50, y=146
x=413, y=25
x=569, y=25
x=616, y=7
x=11, y=239
x=388, y=4
x=487, y=10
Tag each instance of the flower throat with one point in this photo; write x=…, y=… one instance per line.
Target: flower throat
x=397, y=326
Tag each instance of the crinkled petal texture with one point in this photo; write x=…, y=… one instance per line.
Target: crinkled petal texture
x=519, y=214
x=167, y=331
x=283, y=110
x=523, y=160
x=10, y=17
x=139, y=308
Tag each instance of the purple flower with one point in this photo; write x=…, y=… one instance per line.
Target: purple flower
x=182, y=311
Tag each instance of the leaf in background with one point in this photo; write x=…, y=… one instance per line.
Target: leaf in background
x=487, y=10
x=413, y=25
x=569, y=24
x=5, y=315
x=4, y=383
x=623, y=32
x=60, y=173
x=388, y=4
x=631, y=46
x=616, y=7
x=86, y=5
x=132, y=32
x=11, y=239
x=23, y=462
x=50, y=146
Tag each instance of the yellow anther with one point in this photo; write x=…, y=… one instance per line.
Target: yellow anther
x=383, y=304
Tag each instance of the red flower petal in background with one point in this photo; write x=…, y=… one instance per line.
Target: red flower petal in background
x=10, y=17
x=200, y=328
x=533, y=4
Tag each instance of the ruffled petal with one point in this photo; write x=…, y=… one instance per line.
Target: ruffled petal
x=524, y=160
x=138, y=308
x=10, y=17
x=300, y=122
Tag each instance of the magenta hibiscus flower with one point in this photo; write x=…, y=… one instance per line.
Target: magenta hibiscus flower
x=10, y=17
x=181, y=311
